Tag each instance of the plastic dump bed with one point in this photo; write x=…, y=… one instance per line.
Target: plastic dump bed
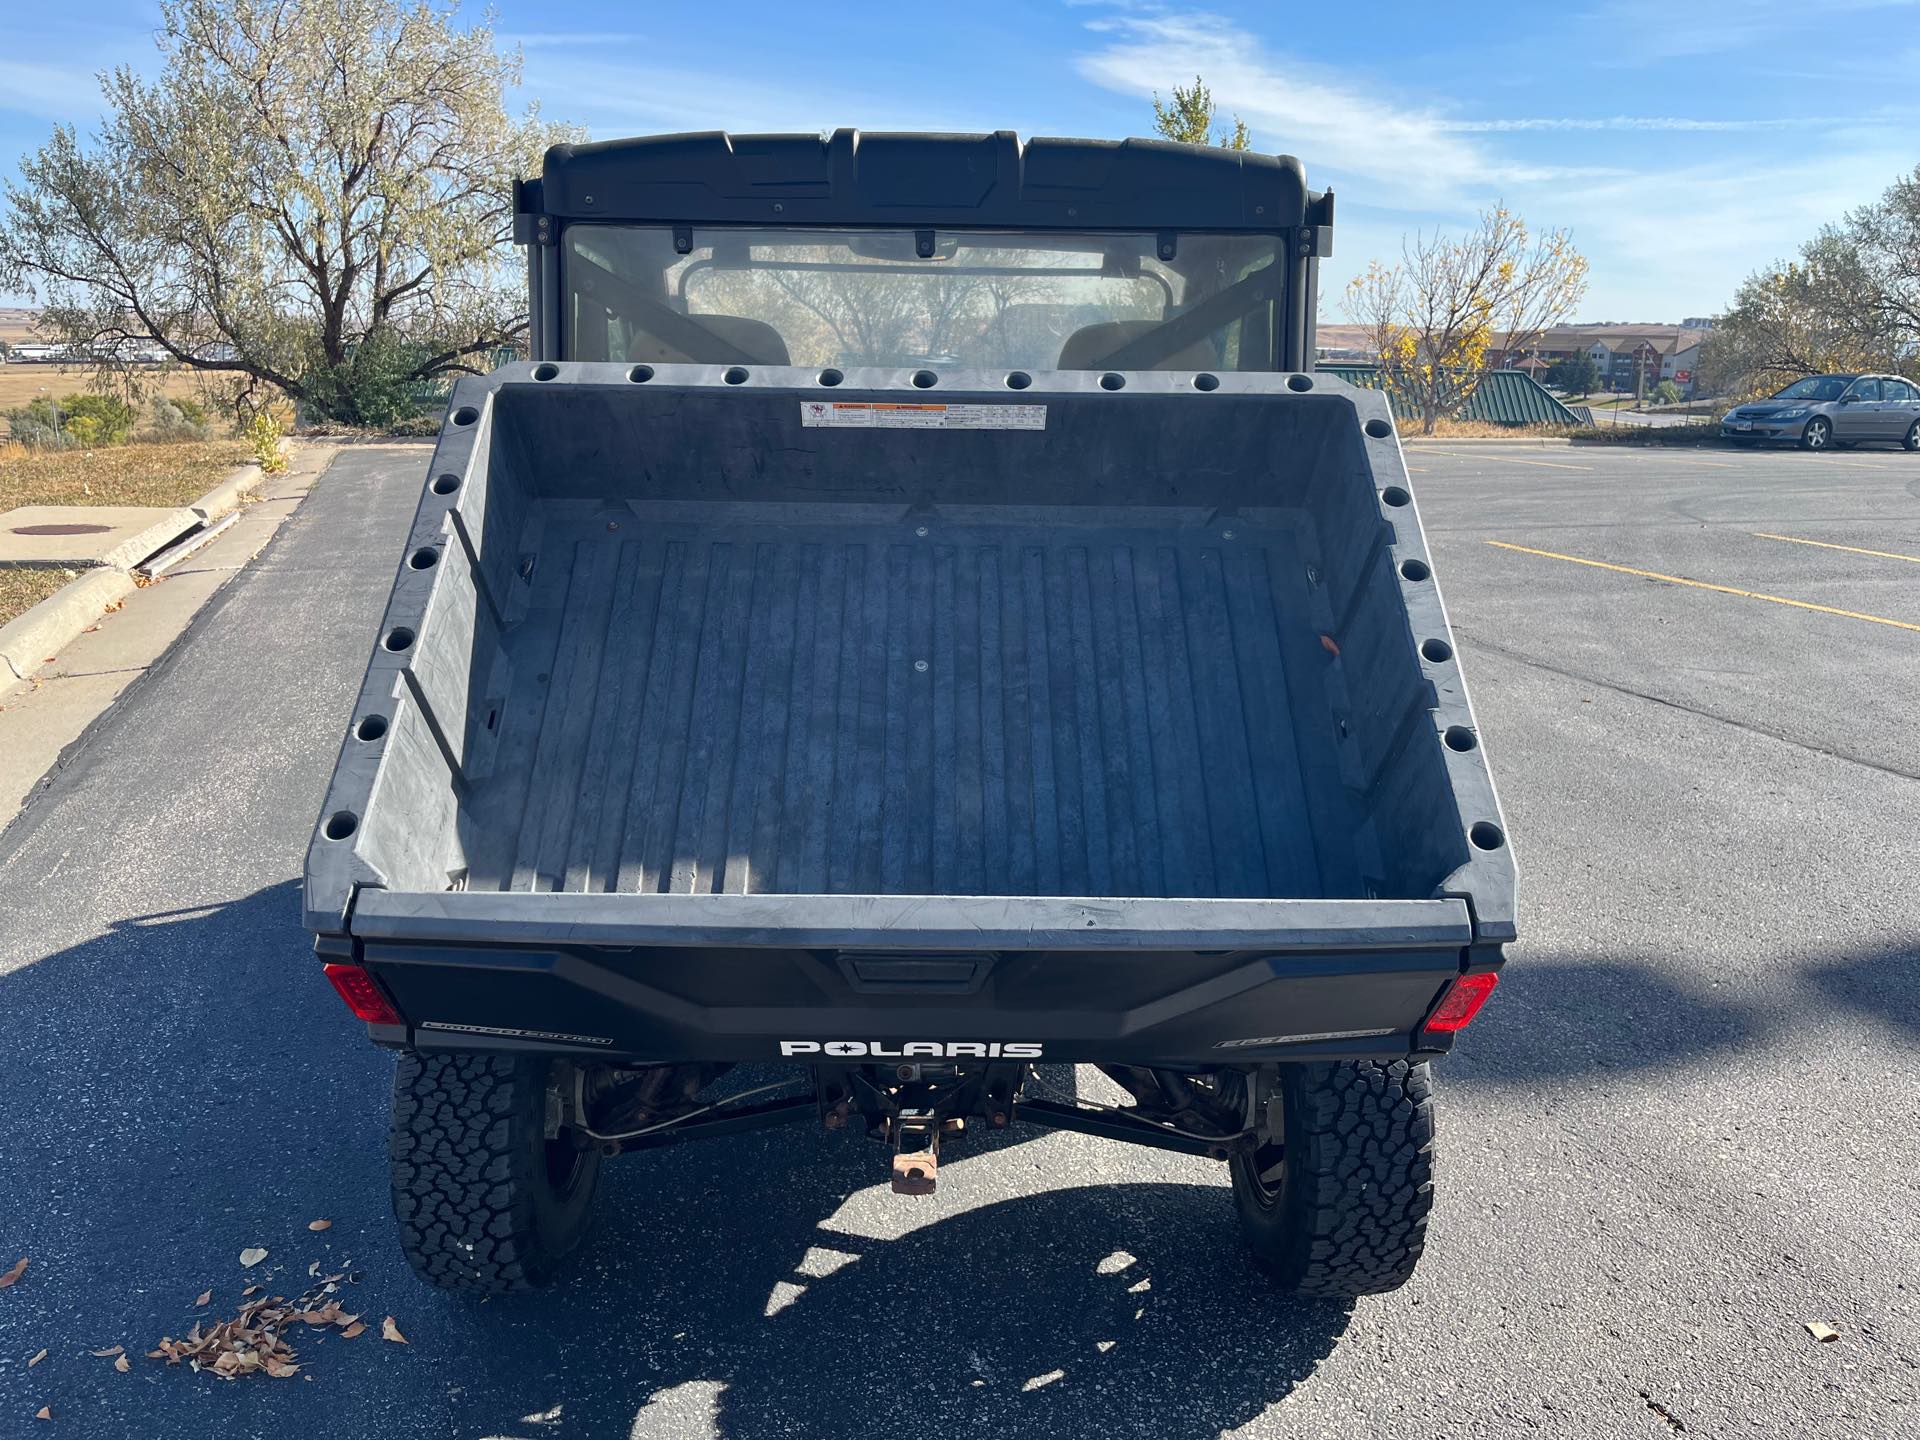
x=667, y=641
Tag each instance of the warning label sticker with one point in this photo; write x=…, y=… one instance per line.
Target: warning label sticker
x=874, y=415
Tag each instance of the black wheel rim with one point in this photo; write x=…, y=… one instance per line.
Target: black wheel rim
x=564, y=1162
x=1266, y=1171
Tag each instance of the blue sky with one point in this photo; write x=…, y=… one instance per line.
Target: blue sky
x=1683, y=145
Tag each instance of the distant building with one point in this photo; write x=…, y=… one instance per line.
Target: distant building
x=1628, y=357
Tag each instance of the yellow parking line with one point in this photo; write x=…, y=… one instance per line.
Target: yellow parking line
x=1703, y=585
x=1512, y=460
x=1829, y=545
x=1701, y=460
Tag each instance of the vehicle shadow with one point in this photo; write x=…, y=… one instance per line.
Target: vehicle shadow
x=1881, y=986
x=1554, y=1019
x=187, y=1086
x=1093, y=1311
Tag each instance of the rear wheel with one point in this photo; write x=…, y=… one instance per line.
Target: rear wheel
x=1818, y=435
x=488, y=1201
x=1912, y=442
x=1337, y=1205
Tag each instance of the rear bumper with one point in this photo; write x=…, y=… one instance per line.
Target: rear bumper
x=754, y=978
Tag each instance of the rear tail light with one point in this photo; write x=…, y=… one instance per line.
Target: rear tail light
x=1461, y=1003
x=363, y=994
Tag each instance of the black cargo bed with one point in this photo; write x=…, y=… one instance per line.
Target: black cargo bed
x=722, y=697
x=661, y=639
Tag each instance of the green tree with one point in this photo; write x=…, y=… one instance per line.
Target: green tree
x=1188, y=118
x=1850, y=300
x=1434, y=319
x=1576, y=374
x=310, y=196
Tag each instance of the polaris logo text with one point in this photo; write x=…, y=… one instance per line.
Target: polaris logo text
x=914, y=1049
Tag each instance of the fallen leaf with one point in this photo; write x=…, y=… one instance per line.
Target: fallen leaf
x=251, y=1256
x=353, y=1331
x=320, y=1225
x=43, y=1413
x=280, y=1370
x=122, y=1366
x=19, y=1269
x=313, y=1269
x=43, y=1355
x=108, y=1353
x=1819, y=1329
x=1330, y=645
x=205, y=1298
x=391, y=1331
x=250, y=1290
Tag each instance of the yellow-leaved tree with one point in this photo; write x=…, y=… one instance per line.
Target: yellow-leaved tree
x=1437, y=317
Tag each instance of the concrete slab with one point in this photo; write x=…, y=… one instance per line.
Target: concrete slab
x=80, y=536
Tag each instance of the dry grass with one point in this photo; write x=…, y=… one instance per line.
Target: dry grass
x=1484, y=430
x=1692, y=434
x=152, y=474
x=22, y=384
x=22, y=588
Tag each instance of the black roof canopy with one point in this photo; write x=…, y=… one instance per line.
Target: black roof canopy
x=974, y=181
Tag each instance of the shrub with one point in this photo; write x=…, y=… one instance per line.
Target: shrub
x=179, y=419
x=42, y=425
x=1667, y=393
x=374, y=386
x=263, y=434
x=98, y=419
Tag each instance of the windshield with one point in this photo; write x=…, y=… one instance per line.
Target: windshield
x=1817, y=387
x=832, y=298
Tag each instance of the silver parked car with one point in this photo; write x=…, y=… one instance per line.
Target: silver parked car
x=1824, y=411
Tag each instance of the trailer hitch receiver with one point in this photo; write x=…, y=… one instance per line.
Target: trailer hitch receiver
x=916, y=1152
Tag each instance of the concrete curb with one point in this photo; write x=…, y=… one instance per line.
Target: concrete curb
x=1541, y=441
x=229, y=494
x=28, y=640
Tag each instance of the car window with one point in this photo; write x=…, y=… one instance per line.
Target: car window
x=1815, y=387
x=1864, y=390
x=1899, y=390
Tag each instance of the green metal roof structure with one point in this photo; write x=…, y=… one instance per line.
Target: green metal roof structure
x=1503, y=397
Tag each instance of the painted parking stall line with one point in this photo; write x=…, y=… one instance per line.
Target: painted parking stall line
x=1707, y=585
x=1830, y=545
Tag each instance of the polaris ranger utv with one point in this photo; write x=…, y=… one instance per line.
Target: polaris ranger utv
x=917, y=617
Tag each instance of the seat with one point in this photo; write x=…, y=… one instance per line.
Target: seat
x=1088, y=348
x=758, y=341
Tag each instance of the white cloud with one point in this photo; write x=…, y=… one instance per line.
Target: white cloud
x=1411, y=154
x=613, y=98
x=55, y=92
x=1664, y=241
x=1638, y=123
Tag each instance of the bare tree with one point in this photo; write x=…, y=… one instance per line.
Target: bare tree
x=314, y=196
x=1435, y=319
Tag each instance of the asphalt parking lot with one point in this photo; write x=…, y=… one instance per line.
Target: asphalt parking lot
x=1684, y=1127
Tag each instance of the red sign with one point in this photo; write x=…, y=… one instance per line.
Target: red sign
x=1683, y=376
